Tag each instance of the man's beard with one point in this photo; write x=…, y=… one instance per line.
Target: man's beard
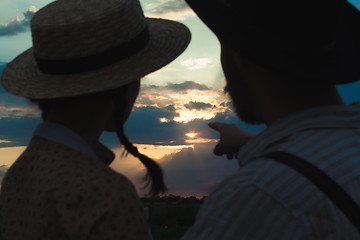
x=244, y=107
x=238, y=88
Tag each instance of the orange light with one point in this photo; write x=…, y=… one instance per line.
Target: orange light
x=191, y=134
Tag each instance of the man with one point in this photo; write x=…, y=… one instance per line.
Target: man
x=282, y=60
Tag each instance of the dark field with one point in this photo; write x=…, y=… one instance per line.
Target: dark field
x=171, y=216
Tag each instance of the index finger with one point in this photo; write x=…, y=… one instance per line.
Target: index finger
x=216, y=125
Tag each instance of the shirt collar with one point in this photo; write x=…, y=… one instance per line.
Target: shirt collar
x=329, y=117
x=65, y=136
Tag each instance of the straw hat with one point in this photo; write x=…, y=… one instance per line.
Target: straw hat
x=88, y=46
x=312, y=41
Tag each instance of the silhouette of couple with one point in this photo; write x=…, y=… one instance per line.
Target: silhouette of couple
x=281, y=60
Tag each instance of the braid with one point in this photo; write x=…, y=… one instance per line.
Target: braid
x=154, y=176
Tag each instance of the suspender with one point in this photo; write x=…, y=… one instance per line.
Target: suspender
x=328, y=186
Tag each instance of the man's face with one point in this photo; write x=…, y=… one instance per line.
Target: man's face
x=238, y=87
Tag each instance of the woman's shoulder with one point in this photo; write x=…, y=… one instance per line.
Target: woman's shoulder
x=75, y=171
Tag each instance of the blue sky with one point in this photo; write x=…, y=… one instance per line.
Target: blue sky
x=180, y=98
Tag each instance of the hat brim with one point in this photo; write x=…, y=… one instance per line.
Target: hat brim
x=277, y=54
x=168, y=39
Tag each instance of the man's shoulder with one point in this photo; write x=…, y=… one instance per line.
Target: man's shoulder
x=265, y=177
x=261, y=172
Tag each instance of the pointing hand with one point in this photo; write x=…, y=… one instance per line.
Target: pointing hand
x=231, y=140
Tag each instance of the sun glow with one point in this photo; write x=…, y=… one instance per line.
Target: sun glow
x=191, y=134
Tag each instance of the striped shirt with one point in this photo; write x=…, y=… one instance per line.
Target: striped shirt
x=268, y=200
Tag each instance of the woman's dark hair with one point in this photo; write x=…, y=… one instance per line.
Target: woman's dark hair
x=154, y=176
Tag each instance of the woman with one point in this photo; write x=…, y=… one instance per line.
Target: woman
x=84, y=70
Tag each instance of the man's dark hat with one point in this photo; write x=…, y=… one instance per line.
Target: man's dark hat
x=317, y=41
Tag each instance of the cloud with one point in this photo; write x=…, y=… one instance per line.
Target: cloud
x=167, y=69
x=144, y=126
x=195, y=171
x=184, y=86
x=9, y=100
x=184, y=102
x=160, y=151
x=154, y=113
x=189, y=170
x=161, y=115
x=167, y=6
x=169, y=9
x=199, y=105
x=18, y=119
x=151, y=122
x=153, y=126
x=187, y=85
x=196, y=63
x=17, y=131
x=18, y=112
x=17, y=25
x=199, y=140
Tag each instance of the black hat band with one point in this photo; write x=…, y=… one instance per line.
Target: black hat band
x=96, y=61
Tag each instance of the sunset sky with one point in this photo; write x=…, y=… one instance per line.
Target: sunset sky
x=169, y=121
